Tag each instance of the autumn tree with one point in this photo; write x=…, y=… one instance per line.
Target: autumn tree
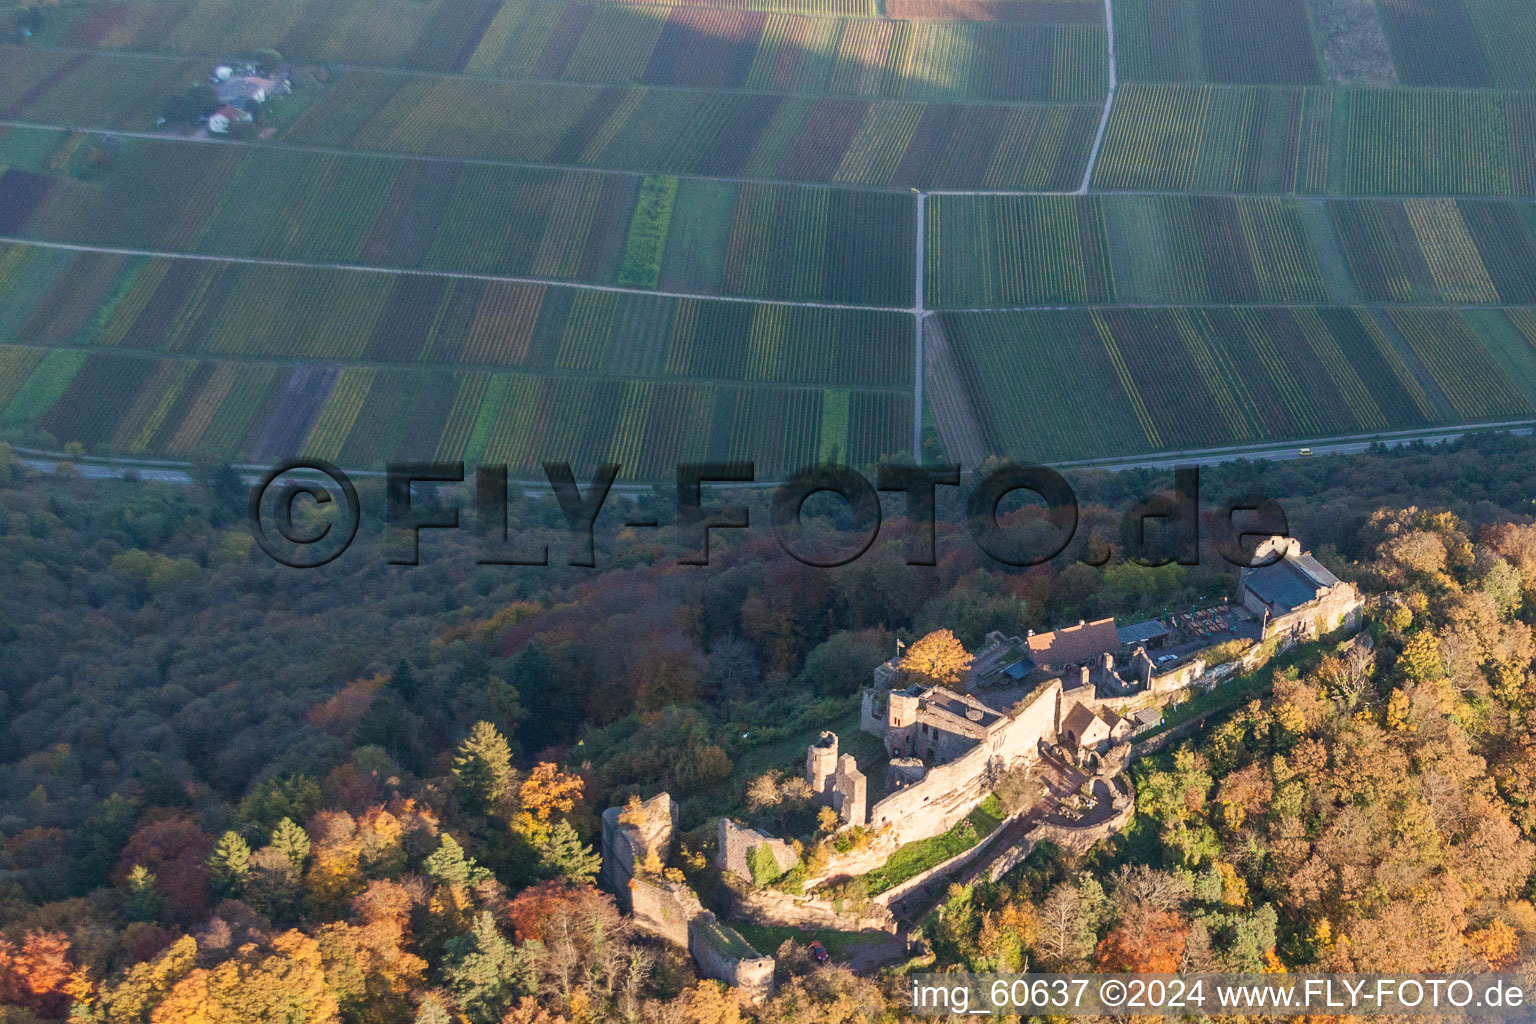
x=36, y=974
x=272, y=884
x=938, y=659
x=286, y=984
x=779, y=795
x=1150, y=944
x=132, y=996
x=546, y=791
x=175, y=851
x=1065, y=935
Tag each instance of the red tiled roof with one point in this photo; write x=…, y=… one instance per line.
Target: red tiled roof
x=1075, y=645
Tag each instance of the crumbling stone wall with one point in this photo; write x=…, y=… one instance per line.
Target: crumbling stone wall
x=721, y=953
x=670, y=909
x=850, y=792
x=1079, y=839
x=663, y=908
x=768, y=907
x=626, y=845
x=735, y=846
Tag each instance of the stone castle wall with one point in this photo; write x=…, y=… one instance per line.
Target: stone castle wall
x=625, y=845
x=948, y=792
x=734, y=846
x=767, y=907
x=740, y=967
x=663, y=908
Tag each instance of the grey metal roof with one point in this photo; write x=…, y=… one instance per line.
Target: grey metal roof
x=1285, y=584
x=1141, y=632
x=1315, y=570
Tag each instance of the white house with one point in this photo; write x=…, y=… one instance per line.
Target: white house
x=220, y=120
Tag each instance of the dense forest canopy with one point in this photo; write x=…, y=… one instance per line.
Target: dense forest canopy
x=370, y=791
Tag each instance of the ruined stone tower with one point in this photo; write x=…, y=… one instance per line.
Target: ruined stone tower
x=821, y=766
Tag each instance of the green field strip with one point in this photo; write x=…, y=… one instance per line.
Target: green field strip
x=646, y=240
x=698, y=234
x=26, y=274
x=42, y=388
x=1459, y=364
x=17, y=364
x=1327, y=250
x=494, y=396
x=833, y=435
x=1507, y=345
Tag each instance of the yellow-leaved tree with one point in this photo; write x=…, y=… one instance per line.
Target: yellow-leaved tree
x=938, y=659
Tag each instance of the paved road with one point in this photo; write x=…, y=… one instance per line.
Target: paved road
x=97, y=468
x=1109, y=100
x=1339, y=445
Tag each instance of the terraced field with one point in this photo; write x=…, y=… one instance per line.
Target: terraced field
x=653, y=232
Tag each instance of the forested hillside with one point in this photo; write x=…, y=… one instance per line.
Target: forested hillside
x=237, y=792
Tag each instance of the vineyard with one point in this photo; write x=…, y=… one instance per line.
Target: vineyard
x=230, y=309
x=364, y=416
x=1316, y=140
x=651, y=232
x=670, y=130
x=1255, y=42
x=787, y=47
x=496, y=37
x=986, y=251
x=1143, y=380
x=703, y=132
x=783, y=242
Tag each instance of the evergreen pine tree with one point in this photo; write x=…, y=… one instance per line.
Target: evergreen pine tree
x=482, y=770
x=563, y=853
x=449, y=866
x=230, y=863
x=143, y=898
x=486, y=972
x=293, y=841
